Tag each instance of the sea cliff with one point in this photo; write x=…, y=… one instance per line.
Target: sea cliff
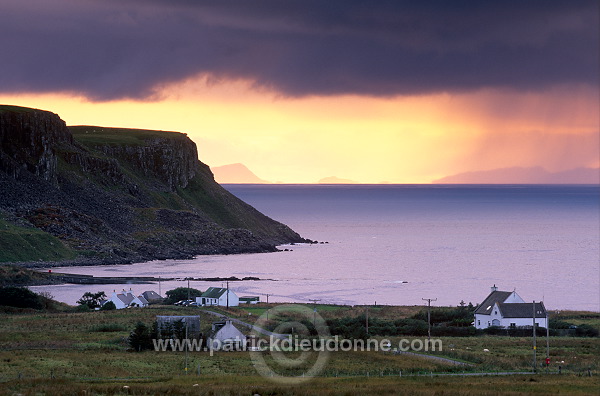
x=89, y=194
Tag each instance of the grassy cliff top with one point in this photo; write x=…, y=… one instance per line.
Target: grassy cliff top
x=90, y=135
x=17, y=109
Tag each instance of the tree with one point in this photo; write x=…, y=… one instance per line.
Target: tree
x=181, y=293
x=92, y=300
x=108, y=306
x=140, y=338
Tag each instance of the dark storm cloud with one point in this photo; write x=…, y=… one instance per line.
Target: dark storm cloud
x=128, y=49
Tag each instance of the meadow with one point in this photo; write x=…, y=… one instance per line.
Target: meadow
x=67, y=352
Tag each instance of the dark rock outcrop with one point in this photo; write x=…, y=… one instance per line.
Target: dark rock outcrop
x=27, y=141
x=121, y=195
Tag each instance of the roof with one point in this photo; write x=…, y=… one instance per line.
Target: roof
x=214, y=292
x=142, y=299
x=495, y=297
x=125, y=298
x=522, y=310
x=151, y=295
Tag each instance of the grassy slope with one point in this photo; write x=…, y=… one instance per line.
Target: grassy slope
x=29, y=244
x=12, y=275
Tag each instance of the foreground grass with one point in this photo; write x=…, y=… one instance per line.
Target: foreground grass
x=87, y=353
x=250, y=385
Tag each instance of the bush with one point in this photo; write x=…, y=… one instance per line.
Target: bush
x=181, y=293
x=82, y=308
x=585, y=330
x=108, y=306
x=20, y=297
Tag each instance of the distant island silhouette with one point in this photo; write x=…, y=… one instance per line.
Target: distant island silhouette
x=518, y=175
x=236, y=174
x=335, y=180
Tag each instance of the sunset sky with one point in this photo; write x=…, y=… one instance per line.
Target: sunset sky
x=297, y=90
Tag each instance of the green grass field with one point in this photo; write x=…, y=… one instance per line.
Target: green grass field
x=87, y=353
x=29, y=244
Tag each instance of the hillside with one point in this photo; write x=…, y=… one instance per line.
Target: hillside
x=110, y=195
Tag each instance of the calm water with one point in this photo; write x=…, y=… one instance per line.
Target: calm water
x=396, y=244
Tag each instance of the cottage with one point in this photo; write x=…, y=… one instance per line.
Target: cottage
x=509, y=310
x=218, y=296
x=151, y=296
x=226, y=336
x=167, y=324
x=126, y=299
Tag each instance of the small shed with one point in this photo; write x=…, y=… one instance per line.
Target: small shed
x=166, y=324
x=249, y=300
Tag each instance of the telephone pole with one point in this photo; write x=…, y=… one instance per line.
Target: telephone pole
x=227, y=291
x=268, y=307
x=534, y=342
x=315, y=311
x=547, y=341
x=188, y=279
x=429, y=300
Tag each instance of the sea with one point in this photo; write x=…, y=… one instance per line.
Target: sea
x=401, y=244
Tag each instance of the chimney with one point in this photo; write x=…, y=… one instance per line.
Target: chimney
x=494, y=288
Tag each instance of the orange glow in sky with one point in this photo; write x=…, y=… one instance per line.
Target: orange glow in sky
x=410, y=139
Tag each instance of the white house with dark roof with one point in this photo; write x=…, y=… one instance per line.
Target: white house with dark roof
x=225, y=335
x=508, y=309
x=218, y=296
x=126, y=299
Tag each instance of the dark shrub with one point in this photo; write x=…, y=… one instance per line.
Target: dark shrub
x=140, y=338
x=20, y=297
x=108, y=306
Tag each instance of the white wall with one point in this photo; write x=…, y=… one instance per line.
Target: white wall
x=485, y=321
x=234, y=300
x=514, y=298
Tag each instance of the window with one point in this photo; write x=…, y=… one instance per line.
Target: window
x=513, y=325
x=478, y=322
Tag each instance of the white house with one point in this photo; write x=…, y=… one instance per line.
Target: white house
x=218, y=296
x=508, y=309
x=226, y=336
x=127, y=299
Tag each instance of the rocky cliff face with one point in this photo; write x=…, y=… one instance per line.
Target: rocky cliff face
x=121, y=195
x=28, y=139
x=173, y=160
